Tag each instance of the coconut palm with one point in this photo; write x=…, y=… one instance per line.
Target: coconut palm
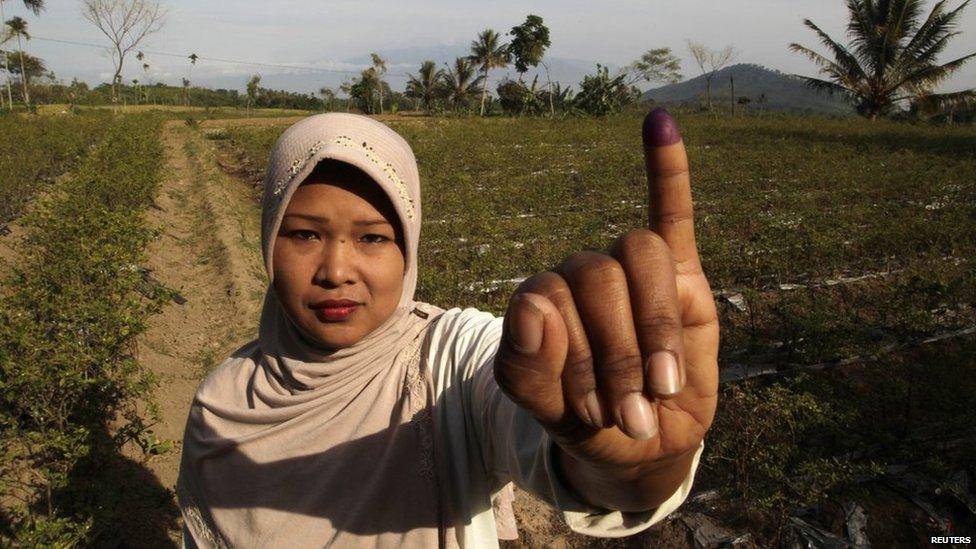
x=461, y=82
x=488, y=54
x=18, y=27
x=891, y=56
x=427, y=85
x=35, y=6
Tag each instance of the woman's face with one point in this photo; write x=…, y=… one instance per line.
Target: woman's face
x=340, y=239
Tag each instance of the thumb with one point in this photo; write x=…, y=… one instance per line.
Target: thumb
x=531, y=356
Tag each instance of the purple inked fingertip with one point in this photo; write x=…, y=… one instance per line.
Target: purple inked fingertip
x=660, y=129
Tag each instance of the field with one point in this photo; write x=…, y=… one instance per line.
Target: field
x=840, y=253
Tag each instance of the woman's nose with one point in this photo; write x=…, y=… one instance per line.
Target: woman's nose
x=336, y=263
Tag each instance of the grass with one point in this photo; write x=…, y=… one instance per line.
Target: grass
x=170, y=110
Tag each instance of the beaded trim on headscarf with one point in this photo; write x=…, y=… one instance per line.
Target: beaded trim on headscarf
x=345, y=141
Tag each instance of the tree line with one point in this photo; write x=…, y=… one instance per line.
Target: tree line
x=463, y=86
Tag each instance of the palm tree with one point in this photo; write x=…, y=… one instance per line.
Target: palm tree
x=186, y=91
x=427, y=85
x=35, y=6
x=890, y=56
x=488, y=54
x=18, y=28
x=461, y=82
x=6, y=67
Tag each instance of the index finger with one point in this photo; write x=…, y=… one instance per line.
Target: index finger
x=669, y=209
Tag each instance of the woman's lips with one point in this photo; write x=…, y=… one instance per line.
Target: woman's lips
x=332, y=311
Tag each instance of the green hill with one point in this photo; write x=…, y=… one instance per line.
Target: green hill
x=766, y=88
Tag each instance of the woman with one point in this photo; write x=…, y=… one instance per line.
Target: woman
x=360, y=417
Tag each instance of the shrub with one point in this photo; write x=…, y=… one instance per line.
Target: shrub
x=69, y=313
x=766, y=444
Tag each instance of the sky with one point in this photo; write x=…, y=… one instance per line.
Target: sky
x=337, y=34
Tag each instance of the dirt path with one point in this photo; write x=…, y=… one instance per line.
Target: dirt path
x=209, y=252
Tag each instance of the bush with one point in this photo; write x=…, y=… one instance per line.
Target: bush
x=767, y=444
x=601, y=95
x=69, y=313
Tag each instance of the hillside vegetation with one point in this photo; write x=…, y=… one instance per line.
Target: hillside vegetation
x=766, y=90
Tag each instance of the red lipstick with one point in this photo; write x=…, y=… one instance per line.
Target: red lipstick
x=334, y=309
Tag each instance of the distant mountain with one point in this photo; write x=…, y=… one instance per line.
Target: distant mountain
x=782, y=91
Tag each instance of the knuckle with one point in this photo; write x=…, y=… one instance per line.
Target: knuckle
x=658, y=323
x=673, y=217
x=642, y=243
x=593, y=266
x=578, y=374
x=513, y=382
x=546, y=283
x=623, y=373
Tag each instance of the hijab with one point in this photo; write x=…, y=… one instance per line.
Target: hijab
x=290, y=444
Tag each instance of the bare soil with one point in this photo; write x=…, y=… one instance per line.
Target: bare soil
x=204, y=254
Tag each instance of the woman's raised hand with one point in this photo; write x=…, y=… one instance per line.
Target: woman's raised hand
x=616, y=354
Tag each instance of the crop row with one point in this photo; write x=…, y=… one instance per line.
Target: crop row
x=777, y=201
x=69, y=311
x=34, y=150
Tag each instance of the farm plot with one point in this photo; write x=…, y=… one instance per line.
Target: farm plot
x=779, y=203
x=69, y=383
x=35, y=150
x=827, y=242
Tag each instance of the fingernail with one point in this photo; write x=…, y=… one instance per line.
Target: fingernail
x=592, y=405
x=526, y=327
x=660, y=129
x=637, y=417
x=665, y=379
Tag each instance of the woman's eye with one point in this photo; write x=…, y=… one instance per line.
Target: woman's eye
x=375, y=238
x=303, y=235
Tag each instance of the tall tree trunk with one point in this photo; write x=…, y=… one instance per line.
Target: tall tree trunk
x=118, y=76
x=484, y=92
x=708, y=93
x=732, y=86
x=23, y=72
x=6, y=67
x=552, y=109
x=6, y=64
